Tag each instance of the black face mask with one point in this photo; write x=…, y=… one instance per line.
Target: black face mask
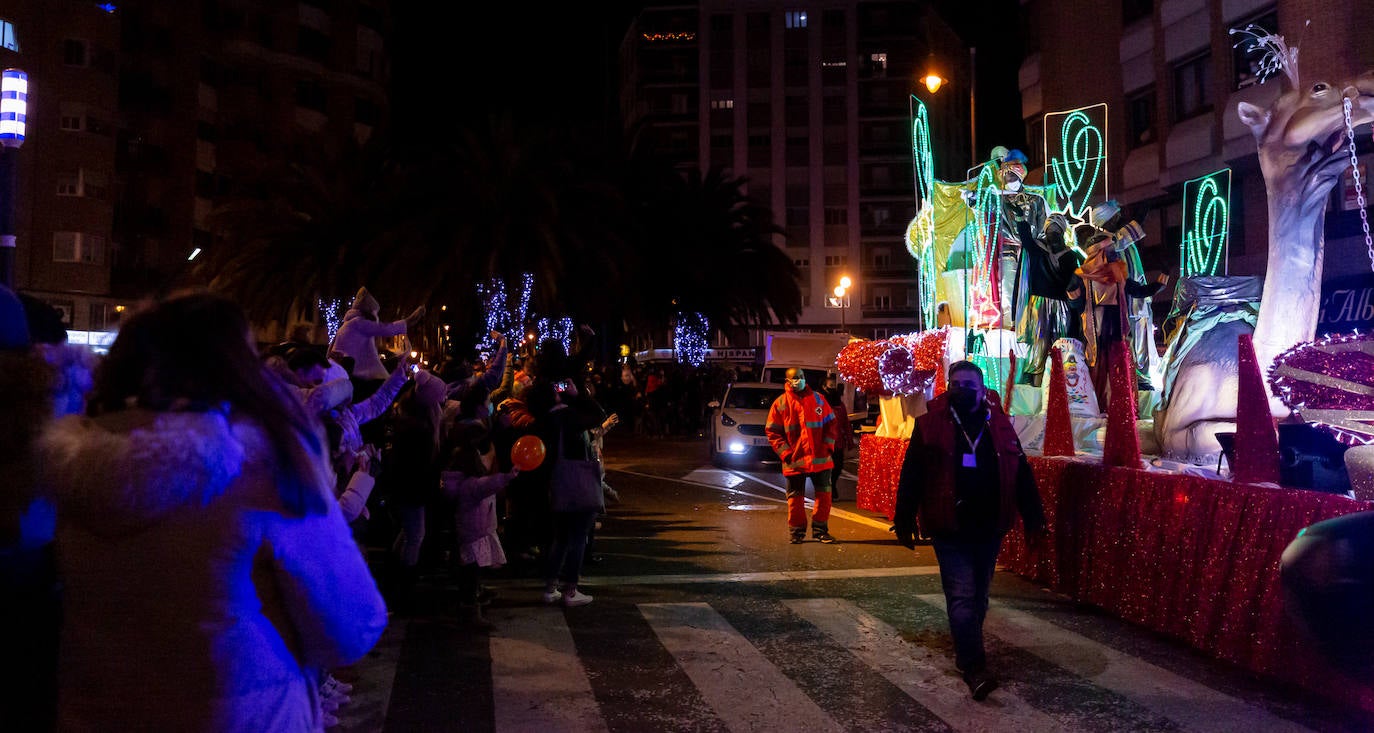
x=963, y=399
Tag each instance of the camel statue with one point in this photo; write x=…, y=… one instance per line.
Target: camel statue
x=1303, y=150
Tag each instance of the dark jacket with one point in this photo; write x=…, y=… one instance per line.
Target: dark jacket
x=926, y=486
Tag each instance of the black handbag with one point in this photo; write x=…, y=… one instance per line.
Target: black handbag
x=575, y=485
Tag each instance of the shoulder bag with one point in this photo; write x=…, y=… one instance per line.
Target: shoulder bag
x=575, y=485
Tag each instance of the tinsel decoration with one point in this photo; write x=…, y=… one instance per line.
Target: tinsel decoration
x=858, y=365
x=690, y=338
x=1330, y=383
x=1257, y=442
x=896, y=366
x=1058, y=422
x=1121, y=447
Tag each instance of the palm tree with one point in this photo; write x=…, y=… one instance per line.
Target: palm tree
x=316, y=226
x=502, y=201
x=716, y=249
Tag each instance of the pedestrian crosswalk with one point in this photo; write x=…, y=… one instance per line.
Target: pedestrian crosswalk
x=723, y=664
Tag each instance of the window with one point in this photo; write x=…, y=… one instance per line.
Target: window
x=1245, y=64
x=678, y=104
x=836, y=216
x=882, y=260
x=77, y=247
x=72, y=122
x=1191, y=89
x=310, y=95
x=366, y=112
x=796, y=111
x=1133, y=10
x=69, y=185
x=836, y=260
x=369, y=43
x=312, y=44
x=796, y=19
x=801, y=261
x=7, y=37
x=1140, y=111
x=760, y=114
x=76, y=52
x=882, y=302
x=798, y=151
x=722, y=104
x=100, y=313
x=760, y=151
x=834, y=110
x=798, y=216
x=877, y=65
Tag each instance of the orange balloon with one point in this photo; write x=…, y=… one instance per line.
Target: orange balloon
x=527, y=453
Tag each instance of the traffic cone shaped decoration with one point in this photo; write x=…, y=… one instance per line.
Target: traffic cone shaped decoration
x=1257, y=442
x=1121, y=447
x=1058, y=425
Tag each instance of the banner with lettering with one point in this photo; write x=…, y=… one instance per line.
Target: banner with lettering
x=1347, y=304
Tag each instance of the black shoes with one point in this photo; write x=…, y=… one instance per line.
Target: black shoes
x=797, y=539
x=825, y=539
x=980, y=685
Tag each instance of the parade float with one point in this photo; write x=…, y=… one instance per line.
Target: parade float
x=1042, y=287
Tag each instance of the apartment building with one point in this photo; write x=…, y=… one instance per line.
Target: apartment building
x=810, y=102
x=1172, y=76
x=145, y=115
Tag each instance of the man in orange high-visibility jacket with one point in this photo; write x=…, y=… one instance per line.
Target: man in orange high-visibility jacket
x=802, y=430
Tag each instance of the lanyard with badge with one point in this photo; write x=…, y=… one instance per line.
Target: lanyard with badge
x=971, y=458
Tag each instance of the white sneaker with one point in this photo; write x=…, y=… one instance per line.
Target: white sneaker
x=334, y=697
x=329, y=719
x=576, y=598
x=552, y=596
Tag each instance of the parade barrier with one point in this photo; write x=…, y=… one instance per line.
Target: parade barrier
x=1194, y=558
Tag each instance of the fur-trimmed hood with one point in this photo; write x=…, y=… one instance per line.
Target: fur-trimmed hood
x=124, y=471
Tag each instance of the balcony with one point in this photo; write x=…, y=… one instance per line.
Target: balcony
x=891, y=311
x=891, y=271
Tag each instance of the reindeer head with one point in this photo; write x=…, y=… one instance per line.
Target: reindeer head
x=1301, y=137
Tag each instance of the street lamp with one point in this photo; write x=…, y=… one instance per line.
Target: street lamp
x=14, y=102
x=841, y=299
x=934, y=81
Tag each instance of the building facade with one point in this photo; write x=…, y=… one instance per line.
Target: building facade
x=1172, y=77
x=811, y=103
x=145, y=116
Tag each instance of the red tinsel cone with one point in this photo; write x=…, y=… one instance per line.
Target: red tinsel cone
x=1058, y=424
x=1122, y=444
x=1257, y=443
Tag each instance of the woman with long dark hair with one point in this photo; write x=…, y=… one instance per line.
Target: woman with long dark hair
x=209, y=574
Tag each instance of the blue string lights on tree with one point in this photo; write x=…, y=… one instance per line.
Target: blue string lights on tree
x=331, y=311
x=499, y=315
x=690, y=338
x=561, y=329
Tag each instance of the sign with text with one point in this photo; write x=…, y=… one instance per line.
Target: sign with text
x=1347, y=304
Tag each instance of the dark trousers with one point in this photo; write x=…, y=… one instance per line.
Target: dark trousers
x=966, y=568
x=570, y=533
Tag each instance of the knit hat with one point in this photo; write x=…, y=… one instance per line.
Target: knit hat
x=14, y=324
x=364, y=302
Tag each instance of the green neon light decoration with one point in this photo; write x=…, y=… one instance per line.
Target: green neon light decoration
x=923, y=175
x=1078, y=166
x=1206, y=224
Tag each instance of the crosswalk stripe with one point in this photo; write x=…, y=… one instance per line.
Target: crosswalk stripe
x=1191, y=705
x=758, y=577
x=538, y=682
x=729, y=672
x=916, y=671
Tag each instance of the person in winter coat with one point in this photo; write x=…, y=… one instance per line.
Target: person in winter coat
x=803, y=429
x=412, y=476
x=208, y=572
x=963, y=481
x=473, y=480
x=357, y=339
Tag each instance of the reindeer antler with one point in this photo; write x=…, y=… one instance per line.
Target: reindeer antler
x=1278, y=56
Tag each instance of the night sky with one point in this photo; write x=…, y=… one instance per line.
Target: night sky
x=555, y=66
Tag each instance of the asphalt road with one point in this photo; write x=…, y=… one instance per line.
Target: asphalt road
x=706, y=619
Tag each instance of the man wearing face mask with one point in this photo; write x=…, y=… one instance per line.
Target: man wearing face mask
x=964, y=478
x=803, y=429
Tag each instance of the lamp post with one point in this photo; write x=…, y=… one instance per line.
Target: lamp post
x=841, y=299
x=14, y=97
x=934, y=81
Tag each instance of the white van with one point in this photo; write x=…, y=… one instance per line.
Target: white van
x=814, y=354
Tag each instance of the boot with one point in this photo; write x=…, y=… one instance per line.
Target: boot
x=470, y=615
